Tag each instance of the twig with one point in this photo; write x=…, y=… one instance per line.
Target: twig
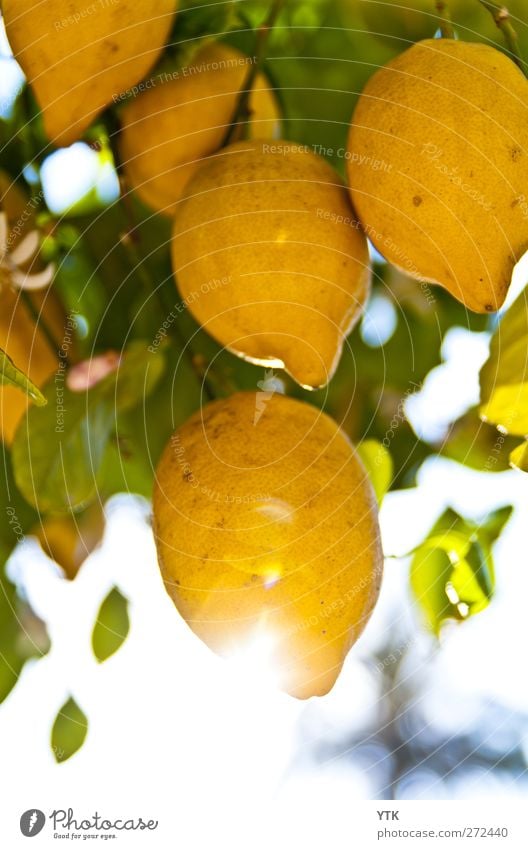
x=241, y=112
x=148, y=284
x=501, y=16
x=113, y=130
x=41, y=324
x=130, y=240
x=446, y=24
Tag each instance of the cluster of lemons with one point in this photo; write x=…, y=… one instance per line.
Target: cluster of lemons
x=268, y=523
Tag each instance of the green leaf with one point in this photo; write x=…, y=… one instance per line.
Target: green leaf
x=378, y=463
x=504, y=377
x=58, y=450
x=197, y=20
x=12, y=375
x=142, y=435
x=451, y=522
x=22, y=633
x=477, y=570
x=79, y=285
x=492, y=526
x=111, y=626
x=431, y=569
x=452, y=573
x=69, y=731
x=478, y=445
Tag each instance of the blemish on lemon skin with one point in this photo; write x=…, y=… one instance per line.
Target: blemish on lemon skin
x=417, y=200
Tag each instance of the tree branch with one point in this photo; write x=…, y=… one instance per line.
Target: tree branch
x=501, y=16
x=242, y=113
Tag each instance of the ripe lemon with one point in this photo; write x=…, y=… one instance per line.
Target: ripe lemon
x=171, y=127
x=267, y=532
x=438, y=167
x=269, y=257
x=79, y=57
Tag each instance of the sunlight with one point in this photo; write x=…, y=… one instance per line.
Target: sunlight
x=74, y=173
x=254, y=662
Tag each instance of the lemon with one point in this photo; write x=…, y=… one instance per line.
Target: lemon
x=270, y=259
x=79, y=58
x=438, y=167
x=267, y=532
x=182, y=118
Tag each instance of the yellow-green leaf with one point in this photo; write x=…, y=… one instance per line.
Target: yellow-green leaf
x=379, y=465
x=58, y=451
x=10, y=374
x=69, y=731
x=508, y=408
x=504, y=377
x=111, y=625
x=430, y=572
x=452, y=574
x=519, y=457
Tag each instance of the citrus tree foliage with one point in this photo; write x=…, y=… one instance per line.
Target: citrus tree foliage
x=131, y=364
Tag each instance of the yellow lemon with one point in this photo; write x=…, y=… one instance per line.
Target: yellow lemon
x=267, y=534
x=79, y=58
x=182, y=118
x=269, y=257
x=438, y=167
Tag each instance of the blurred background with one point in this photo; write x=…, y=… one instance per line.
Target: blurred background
x=412, y=716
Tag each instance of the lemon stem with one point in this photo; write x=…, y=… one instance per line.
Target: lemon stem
x=446, y=25
x=501, y=16
x=242, y=112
